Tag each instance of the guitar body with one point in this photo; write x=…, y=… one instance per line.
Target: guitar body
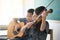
x=11, y=26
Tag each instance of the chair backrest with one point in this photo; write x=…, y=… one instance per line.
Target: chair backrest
x=51, y=34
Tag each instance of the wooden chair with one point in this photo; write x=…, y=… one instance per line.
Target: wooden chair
x=51, y=34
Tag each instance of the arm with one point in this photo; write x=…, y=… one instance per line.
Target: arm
x=18, y=24
x=15, y=19
x=43, y=24
x=27, y=26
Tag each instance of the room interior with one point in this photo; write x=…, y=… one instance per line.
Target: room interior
x=10, y=9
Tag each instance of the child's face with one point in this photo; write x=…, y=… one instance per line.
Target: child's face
x=34, y=16
x=29, y=17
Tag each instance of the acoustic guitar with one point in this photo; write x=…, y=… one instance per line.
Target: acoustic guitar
x=11, y=27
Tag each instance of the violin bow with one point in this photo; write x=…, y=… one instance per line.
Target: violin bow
x=49, y=3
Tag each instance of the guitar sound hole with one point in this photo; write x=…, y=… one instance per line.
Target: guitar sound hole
x=15, y=33
x=18, y=29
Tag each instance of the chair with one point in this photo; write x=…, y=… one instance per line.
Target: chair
x=51, y=34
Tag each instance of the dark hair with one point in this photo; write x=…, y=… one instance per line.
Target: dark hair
x=40, y=9
x=31, y=11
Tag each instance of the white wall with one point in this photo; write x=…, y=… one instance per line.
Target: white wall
x=27, y=4
x=55, y=25
x=10, y=9
x=14, y=8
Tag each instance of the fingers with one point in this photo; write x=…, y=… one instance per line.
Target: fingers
x=28, y=25
x=44, y=14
